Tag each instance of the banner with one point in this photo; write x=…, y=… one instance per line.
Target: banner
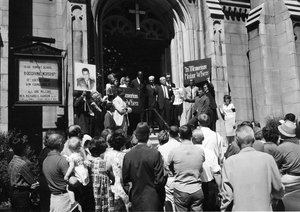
x=198, y=70
x=133, y=100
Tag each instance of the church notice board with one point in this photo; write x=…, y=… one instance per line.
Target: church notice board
x=40, y=81
x=132, y=99
x=198, y=70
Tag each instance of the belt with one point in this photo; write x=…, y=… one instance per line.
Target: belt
x=59, y=192
x=293, y=174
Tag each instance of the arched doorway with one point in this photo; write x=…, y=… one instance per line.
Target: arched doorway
x=165, y=40
x=135, y=36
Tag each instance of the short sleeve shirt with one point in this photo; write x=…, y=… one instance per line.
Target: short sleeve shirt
x=55, y=167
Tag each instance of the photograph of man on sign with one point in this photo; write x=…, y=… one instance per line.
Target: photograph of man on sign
x=85, y=77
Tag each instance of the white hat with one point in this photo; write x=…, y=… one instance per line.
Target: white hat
x=288, y=129
x=85, y=138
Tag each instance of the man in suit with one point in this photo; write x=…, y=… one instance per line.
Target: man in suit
x=109, y=122
x=165, y=98
x=250, y=178
x=210, y=93
x=201, y=106
x=86, y=82
x=144, y=167
x=151, y=89
x=169, y=81
x=139, y=84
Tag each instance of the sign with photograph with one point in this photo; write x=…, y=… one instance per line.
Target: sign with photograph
x=198, y=70
x=132, y=99
x=39, y=81
x=85, y=77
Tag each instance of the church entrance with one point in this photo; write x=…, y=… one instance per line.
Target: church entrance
x=135, y=38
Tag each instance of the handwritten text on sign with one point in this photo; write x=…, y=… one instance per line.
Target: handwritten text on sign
x=38, y=81
x=198, y=70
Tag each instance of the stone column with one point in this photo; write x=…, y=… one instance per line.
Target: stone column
x=273, y=62
x=76, y=44
x=4, y=65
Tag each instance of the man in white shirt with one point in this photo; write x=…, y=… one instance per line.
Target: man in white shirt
x=212, y=140
x=211, y=176
x=171, y=142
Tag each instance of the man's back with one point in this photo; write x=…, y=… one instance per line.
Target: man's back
x=187, y=161
x=143, y=167
x=55, y=167
x=253, y=177
x=213, y=141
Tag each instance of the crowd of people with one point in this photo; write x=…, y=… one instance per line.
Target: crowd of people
x=161, y=105
x=192, y=169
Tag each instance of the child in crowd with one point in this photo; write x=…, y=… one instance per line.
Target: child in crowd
x=102, y=176
x=76, y=165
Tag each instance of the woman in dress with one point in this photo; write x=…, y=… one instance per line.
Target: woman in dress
x=228, y=113
x=115, y=157
x=102, y=176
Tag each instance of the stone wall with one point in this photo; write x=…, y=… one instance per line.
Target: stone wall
x=4, y=5
x=274, y=66
x=236, y=42
x=50, y=20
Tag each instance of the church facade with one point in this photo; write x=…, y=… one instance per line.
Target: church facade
x=254, y=46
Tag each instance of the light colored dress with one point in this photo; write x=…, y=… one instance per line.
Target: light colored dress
x=103, y=195
x=229, y=118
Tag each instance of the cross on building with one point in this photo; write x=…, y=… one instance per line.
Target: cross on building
x=137, y=13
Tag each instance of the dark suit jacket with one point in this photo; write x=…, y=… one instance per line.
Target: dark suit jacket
x=151, y=94
x=161, y=98
x=82, y=84
x=109, y=122
x=202, y=105
x=144, y=167
x=136, y=85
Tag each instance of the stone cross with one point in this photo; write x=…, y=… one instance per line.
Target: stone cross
x=137, y=13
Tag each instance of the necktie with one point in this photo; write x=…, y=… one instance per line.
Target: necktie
x=166, y=92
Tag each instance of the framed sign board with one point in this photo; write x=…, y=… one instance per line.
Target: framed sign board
x=198, y=70
x=39, y=81
x=38, y=76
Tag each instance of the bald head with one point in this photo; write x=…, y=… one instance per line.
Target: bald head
x=244, y=136
x=197, y=136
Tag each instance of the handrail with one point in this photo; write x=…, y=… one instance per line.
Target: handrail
x=159, y=116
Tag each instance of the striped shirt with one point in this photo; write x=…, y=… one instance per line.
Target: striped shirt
x=19, y=173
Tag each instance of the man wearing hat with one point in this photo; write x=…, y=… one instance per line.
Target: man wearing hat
x=144, y=167
x=151, y=89
x=289, y=158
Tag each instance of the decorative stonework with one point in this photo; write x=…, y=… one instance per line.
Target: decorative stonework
x=254, y=17
x=215, y=9
x=236, y=10
x=294, y=9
